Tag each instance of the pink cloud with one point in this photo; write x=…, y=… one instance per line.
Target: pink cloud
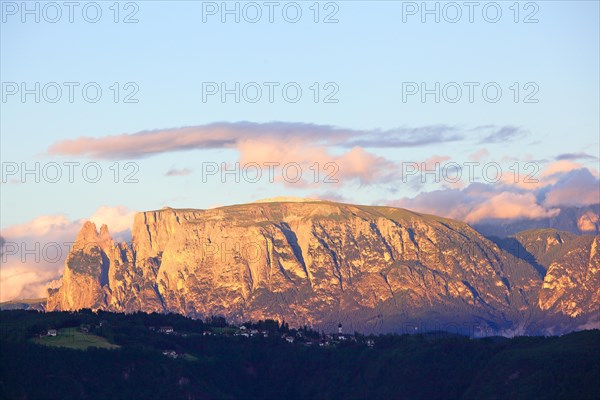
x=555, y=169
x=477, y=205
x=507, y=205
x=229, y=135
x=143, y=143
x=577, y=188
x=354, y=164
x=119, y=220
x=559, y=185
x=479, y=155
x=368, y=167
x=532, y=175
x=433, y=162
x=39, y=226
x=280, y=142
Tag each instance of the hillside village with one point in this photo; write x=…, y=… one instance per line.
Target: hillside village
x=304, y=336
x=213, y=327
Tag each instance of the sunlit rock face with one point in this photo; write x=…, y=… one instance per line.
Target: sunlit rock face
x=86, y=271
x=572, y=284
x=309, y=263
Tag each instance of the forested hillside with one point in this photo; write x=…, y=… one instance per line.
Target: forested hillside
x=210, y=359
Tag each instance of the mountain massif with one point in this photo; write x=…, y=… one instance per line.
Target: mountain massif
x=374, y=269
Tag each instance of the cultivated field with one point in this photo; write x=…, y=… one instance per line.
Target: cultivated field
x=75, y=339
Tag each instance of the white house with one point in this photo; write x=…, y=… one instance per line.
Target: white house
x=170, y=353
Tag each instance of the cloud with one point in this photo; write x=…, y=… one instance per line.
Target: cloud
x=576, y=188
x=33, y=254
x=24, y=282
x=405, y=137
x=317, y=164
x=119, y=220
x=451, y=203
x=555, y=170
x=479, y=155
x=230, y=135
x=576, y=156
x=509, y=205
x=341, y=154
x=348, y=150
x=368, y=167
x=39, y=226
x=433, y=161
x=560, y=184
x=503, y=134
x=532, y=176
x=178, y=172
x=478, y=202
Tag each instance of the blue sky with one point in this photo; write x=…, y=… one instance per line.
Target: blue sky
x=368, y=54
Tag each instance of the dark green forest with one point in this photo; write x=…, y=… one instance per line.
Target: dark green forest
x=212, y=360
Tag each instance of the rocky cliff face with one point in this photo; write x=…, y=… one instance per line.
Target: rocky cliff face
x=85, y=279
x=572, y=284
x=314, y=263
